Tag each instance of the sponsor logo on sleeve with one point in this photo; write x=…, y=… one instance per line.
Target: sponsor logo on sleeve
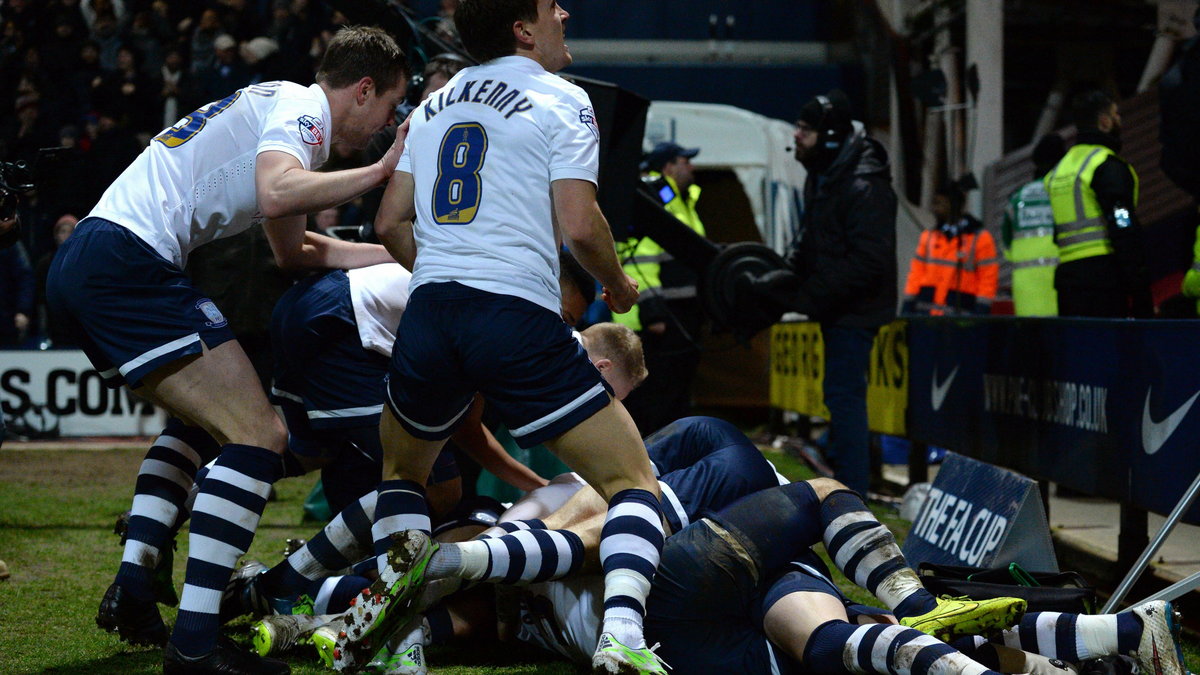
x=312, y=130
x=588, y=117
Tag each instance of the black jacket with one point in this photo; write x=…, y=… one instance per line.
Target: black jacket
x=845, y=252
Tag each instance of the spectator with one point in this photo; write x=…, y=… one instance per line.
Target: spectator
x=667, y=316
x=69, y=11
x=239, y=19
x=55, y=332
x=1028, y=235
x=842, y=267
x=1102, y=261
x=228, y=73
x=149, y=33
x=128, y=94
x=16, y=295
x=175, y=97
x=25, y=133
x=955, y=270
x=203, y=38
x=113, y=148
x=87, y=75
x=107, y=36
x=93, y=9
x=259, y=55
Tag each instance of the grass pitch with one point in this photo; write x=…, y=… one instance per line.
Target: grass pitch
x=57, y=509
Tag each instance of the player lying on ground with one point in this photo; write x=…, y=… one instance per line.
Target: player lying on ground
x=708, y=464
x=741, y=592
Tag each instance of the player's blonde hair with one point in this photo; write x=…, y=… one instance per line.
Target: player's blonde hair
x=619, y=344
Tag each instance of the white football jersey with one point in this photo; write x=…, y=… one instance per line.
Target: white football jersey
x=195, y=182
x=564, y=616
x=483, y=151
x=379, y=294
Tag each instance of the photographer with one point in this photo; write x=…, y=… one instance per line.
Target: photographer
x=843, y=266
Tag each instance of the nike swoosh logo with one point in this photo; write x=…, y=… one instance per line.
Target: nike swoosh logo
x=938, y=395
x=1155, y=434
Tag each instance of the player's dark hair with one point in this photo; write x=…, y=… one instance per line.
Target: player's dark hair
x=446, y=65
x=1087, y=106
x=356, y=52
x=569, y=268
x=485, y=26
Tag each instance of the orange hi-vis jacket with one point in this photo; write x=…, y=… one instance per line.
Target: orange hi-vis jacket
x=953, y=275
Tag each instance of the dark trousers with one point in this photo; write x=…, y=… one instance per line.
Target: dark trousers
x=847, y=357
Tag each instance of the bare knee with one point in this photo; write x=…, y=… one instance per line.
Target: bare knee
x=824, y=487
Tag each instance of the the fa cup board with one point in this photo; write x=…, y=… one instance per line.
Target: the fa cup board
x=981, y=516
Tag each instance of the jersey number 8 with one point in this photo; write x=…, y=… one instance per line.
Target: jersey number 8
x=458, y=188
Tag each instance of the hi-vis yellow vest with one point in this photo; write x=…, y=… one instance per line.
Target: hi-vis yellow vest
x=1032, y=253
x=643, y=258
x=1079, y=226
x=1191, y=280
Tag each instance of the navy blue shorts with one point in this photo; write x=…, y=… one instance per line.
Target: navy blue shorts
x=322, y=374
x=455, y=340
x=705, y=609
x=705, y=464
x=131, y=310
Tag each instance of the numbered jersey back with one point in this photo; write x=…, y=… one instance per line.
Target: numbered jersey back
x=195, y=181
x=483, y=152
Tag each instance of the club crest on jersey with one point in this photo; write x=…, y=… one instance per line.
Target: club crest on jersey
x=215, y=318
x=588, y=117
x=312, y=130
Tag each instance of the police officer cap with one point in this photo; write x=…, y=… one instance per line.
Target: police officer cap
x=665, y=152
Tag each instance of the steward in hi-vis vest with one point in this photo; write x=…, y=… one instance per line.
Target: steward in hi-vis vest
x=1093, y=194
x=1028, y=235
x=667, y=315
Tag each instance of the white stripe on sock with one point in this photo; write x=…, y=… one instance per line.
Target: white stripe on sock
x=239, y=479
x=155, y=508
x=198, y=599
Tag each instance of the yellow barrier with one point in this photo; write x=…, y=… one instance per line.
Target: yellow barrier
x=798, y=367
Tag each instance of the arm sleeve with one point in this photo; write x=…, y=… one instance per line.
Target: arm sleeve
x=574, y=138
x=869, y=220
x=297, y=127
x=1115, y=186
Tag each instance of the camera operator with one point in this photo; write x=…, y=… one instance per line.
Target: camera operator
x=842, y=263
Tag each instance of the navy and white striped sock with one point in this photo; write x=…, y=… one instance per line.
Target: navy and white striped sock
x=1074, y=637
x=400, y=506
x=333, y=595
x=224, y=518
x=163, y=484
x=837, y=647
x=526, y=556
x=345, y=540
x=630, y=546
x=866, y=552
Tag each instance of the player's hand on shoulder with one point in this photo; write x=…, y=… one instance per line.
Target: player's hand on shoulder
x=392, y=156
